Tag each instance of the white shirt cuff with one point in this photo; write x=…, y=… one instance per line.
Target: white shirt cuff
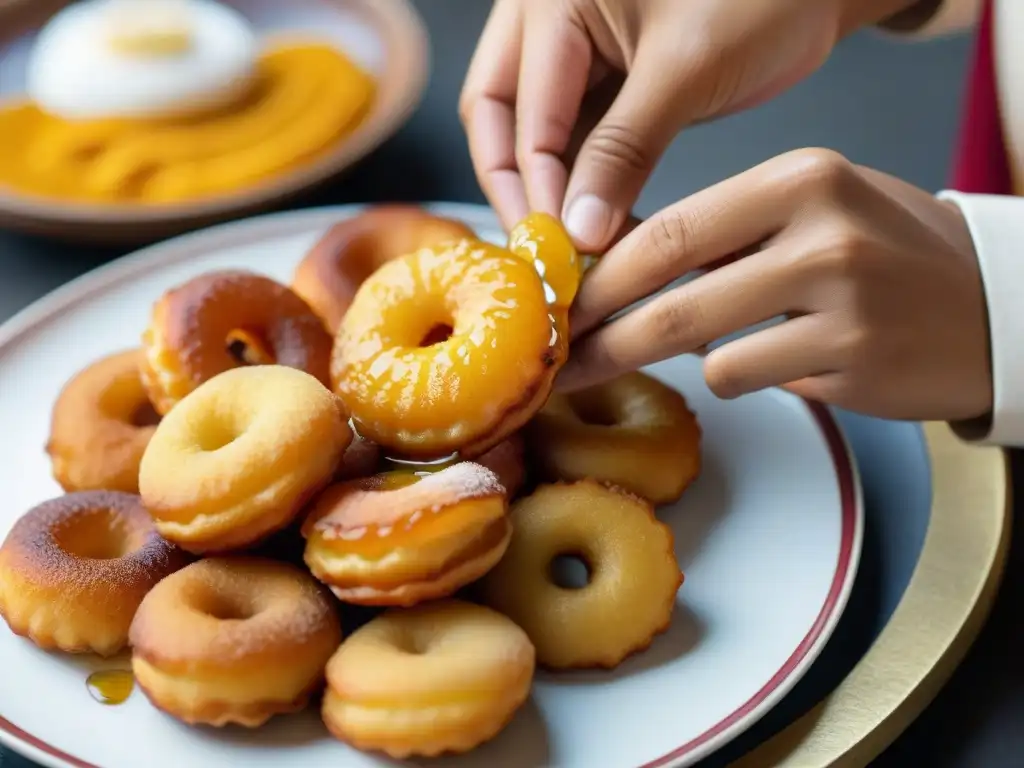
x=996, y=223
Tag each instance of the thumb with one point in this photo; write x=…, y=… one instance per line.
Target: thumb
x=619, y=154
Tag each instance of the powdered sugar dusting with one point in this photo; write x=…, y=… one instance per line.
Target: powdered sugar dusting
x=354, y=507
x=34, y=543
x=280, y=608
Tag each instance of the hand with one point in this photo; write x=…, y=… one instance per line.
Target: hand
x=878, y=281
x=546, y=70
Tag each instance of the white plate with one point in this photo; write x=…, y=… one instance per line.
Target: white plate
x=769, y=538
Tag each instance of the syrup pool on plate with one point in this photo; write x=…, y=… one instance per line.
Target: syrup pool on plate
x=110, y=686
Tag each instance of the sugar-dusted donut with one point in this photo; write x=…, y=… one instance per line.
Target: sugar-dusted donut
x=74, y=570
x=633, y=574
x=221, y=320
x=238, y=458
x=233, y=640
x=440, y=677
x=413, y=391
x=400, y=538
x=633, y=431
x=351, y=250
x=101, y=424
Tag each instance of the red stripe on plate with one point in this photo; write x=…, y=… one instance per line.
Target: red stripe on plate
x=848, y=504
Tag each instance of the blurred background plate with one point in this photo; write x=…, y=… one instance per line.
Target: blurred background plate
x=387, y=37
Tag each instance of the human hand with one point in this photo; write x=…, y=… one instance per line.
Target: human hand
x=878, y=280
x=546, y=70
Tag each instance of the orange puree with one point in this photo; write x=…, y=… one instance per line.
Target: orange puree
x=305, y=97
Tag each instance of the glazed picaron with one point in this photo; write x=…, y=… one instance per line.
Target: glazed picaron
x=400, y=538
x=222, y=320
x=447, y=349
x=352, y=250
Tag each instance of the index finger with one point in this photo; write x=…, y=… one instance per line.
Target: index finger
x=724, y=219
x=488, y=112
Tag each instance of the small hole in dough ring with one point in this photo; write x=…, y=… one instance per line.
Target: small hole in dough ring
x=437, y=335
x=592, y=408
x=219, y=427
x=98, y=534
x=570, y=570
x=226, y=609
x=249, y=348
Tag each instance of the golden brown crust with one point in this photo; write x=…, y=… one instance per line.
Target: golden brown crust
x=234, y=639
x=442, y=677
x=74, y=569
x=633, y=432
x=239, y=457
x=424, y=397
x=221, y=713
x=187, y=342
x=350, y=251
x=634, y=575
x=100, y=426
x=465, y=567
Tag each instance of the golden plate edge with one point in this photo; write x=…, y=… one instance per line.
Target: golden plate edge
x=944, y=607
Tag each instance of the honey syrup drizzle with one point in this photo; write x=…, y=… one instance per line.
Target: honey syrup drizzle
x=110, y=686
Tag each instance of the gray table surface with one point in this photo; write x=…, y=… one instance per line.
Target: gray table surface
x=884, y=104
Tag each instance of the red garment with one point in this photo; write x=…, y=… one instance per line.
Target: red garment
x=982, y=164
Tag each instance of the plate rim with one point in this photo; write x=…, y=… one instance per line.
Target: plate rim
x=291, y=223
x=951, y=592
x=409, y=54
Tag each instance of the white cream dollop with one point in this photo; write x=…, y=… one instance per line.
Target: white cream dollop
x=141, y=58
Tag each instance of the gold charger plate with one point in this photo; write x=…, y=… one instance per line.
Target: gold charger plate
x=401, y=81
x=940, y=614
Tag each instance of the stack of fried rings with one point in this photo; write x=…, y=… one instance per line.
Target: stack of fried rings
x=253, y=434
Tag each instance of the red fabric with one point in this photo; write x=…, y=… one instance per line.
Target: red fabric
x=982, y=164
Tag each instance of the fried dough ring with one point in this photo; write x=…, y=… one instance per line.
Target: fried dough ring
x=633, y=432
x=352, y=250
x=193, y=327
x=74, y=570
x=233, y=640
x=629, y=556
x=101, y=424
x=440, y=677
x=238, y=458
x=399, y=539
x=468, y=392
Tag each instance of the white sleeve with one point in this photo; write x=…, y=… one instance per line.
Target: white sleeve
x=996, y=223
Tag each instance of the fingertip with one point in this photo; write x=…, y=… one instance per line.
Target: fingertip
x=590, y=222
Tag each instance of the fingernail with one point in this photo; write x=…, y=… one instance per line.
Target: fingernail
x=588, y=219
